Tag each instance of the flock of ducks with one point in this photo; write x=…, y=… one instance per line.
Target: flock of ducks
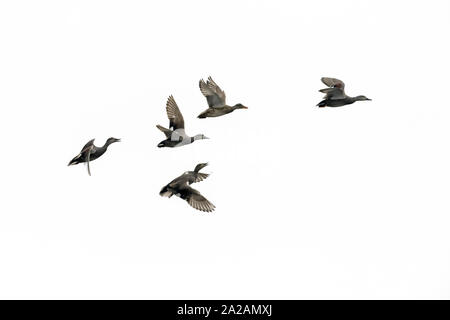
x=176, y=136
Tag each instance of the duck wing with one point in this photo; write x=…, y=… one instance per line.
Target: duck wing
x=87, y=146
x=333, y=93
x=197, y=201
x=188, y=178
x=166, y=131
x=174, y=114
x=333, y=82
x=88, y=160
x=177, y=183
x=335, y=89
x=214, y=95
x=194, y=177
x=200, y=177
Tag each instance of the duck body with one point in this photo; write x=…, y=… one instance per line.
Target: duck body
x=216, y=99
x=219, y=111
x=335, y=103
x=175, y=134
x=181, y=188
x=168, y=143
x=335, y=95
x=215, y=112
x=82, y=157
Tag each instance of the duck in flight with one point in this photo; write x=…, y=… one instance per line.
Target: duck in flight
x=181, y=188
x=175, y=135
x=216, y=100
x=335, y=95
x=90, y=152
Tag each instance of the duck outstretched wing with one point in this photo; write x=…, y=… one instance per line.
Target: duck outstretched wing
x=166, y=131
x=335, y=88
x=200, y=176
x=174, y=114
x=197, y=201
x=214, y=95
x=333, y=82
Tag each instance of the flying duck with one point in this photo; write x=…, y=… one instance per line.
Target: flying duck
x=176, y=136
x=216, y=100
x=335, y=95
x=181, y=188
x=90, y=152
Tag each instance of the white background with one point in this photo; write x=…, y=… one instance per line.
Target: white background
x=344, y=203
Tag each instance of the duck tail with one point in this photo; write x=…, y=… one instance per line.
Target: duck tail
x=165, y=192
x=74, y=161
x=322, y=104
x=202, y=115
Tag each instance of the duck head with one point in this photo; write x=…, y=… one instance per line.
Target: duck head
x=112, y=140
x=362, y=98
x=199, y=137
x=200, y=166
x=239, y=106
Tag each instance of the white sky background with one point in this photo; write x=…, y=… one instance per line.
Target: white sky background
x=348, y=202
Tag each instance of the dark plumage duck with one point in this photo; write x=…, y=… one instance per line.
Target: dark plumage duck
x=216, y=100
x=335, y=95
x=181, y=188
x=90, y=152
x=176, y=136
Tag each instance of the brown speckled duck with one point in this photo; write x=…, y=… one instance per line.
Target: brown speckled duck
x=216, y=100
